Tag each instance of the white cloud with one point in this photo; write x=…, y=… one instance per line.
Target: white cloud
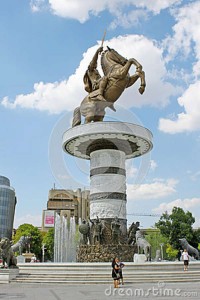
x=77, y=9
x=66, y=95
x=35, y=220
x=153, y=165
x=185, y=204
x=82, y=10
x=197, y=223
x=131, y=171
x=158, y=189
x=186, y=38
x=37, y=5
x=52, y=97
x=185, y=42
x=189, y=119
x=156, y=6
x=188, y=204
x=195, y=176
x=126, y=20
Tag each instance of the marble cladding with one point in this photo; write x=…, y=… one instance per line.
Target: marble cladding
x=107, y=158
x=108, y=208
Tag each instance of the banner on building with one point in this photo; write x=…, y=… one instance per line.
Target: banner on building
x=49, y=217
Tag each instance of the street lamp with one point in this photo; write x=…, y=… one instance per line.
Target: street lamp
x=43, y=252
x=161, y=245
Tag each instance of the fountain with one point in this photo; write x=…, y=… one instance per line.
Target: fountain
x=65, y=241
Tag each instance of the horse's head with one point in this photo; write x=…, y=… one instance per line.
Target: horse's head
x=111, y=57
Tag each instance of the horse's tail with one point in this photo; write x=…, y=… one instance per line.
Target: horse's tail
x=76, y=117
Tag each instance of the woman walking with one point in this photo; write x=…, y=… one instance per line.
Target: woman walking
x=115, y=272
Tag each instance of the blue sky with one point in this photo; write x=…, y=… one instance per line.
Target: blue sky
x=46, y=46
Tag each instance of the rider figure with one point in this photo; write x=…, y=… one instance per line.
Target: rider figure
x=93, y=80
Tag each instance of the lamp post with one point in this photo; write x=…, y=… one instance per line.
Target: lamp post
x=43, y=252
x=161, y=245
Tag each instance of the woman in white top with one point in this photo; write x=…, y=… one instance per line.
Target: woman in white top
x=185, y=257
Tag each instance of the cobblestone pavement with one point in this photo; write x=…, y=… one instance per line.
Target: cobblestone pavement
x=158, y=291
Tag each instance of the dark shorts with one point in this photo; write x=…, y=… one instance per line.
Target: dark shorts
x=186, y=262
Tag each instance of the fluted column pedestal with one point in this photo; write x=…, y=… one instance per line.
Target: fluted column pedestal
x=108, y=186
x=107, y=145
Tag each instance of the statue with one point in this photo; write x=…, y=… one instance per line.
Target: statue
x=7, y=254
x=93, y=80
x=158, y=255
x=143, y=244
x=132, y=233
x=104, y=91
x=115, y=228
x=84, y=229
x=97, y=231
x=190, y=249
x=24, y=242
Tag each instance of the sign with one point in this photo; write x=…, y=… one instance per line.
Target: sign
x=49, y=218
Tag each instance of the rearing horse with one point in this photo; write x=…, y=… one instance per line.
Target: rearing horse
x=115, y=67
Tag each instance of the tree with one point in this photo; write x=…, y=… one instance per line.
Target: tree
x=155, y=239
x=34, y=233
x=176, y=225
x=171, y=252
x=196, y=238
x=48, y=241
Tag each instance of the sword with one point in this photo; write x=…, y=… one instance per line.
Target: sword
x=104, y=35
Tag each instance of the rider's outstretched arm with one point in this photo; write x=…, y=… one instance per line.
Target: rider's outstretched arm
x=93, y=63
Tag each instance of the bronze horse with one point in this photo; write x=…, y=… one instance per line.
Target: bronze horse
x=115, y=67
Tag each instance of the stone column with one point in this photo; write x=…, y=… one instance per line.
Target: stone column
x=107, y=145
x=108, y=185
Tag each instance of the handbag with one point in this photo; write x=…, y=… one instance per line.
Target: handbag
x=117, y=274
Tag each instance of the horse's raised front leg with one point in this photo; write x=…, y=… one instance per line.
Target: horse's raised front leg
x=134, y=78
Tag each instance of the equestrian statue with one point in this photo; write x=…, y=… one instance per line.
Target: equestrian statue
x=104, y=91
x=143, y=245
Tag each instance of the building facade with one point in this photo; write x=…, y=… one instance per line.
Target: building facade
x=7, y=207
x=66, y=203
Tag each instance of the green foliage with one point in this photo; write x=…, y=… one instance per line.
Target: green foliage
x=155, y=238
x=196, y=238
x=199, y=246
x=177, y=225
x=171, y=252
x=48, y=241
x=36, y=237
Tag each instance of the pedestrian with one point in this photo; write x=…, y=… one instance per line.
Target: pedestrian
x=185, y=257
x=33, y=259
x=115, y=272
x=121, y=279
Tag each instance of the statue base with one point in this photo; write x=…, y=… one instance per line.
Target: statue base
x=139, y=258
x=27, y=257
x=105, y=253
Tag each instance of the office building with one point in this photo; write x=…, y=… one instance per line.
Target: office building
x=7, y=207
x=66, y=203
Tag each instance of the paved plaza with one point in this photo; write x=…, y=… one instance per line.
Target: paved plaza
x=158, y=291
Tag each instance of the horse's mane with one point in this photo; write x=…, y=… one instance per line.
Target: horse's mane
x=107, y=62
x=105, y=67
